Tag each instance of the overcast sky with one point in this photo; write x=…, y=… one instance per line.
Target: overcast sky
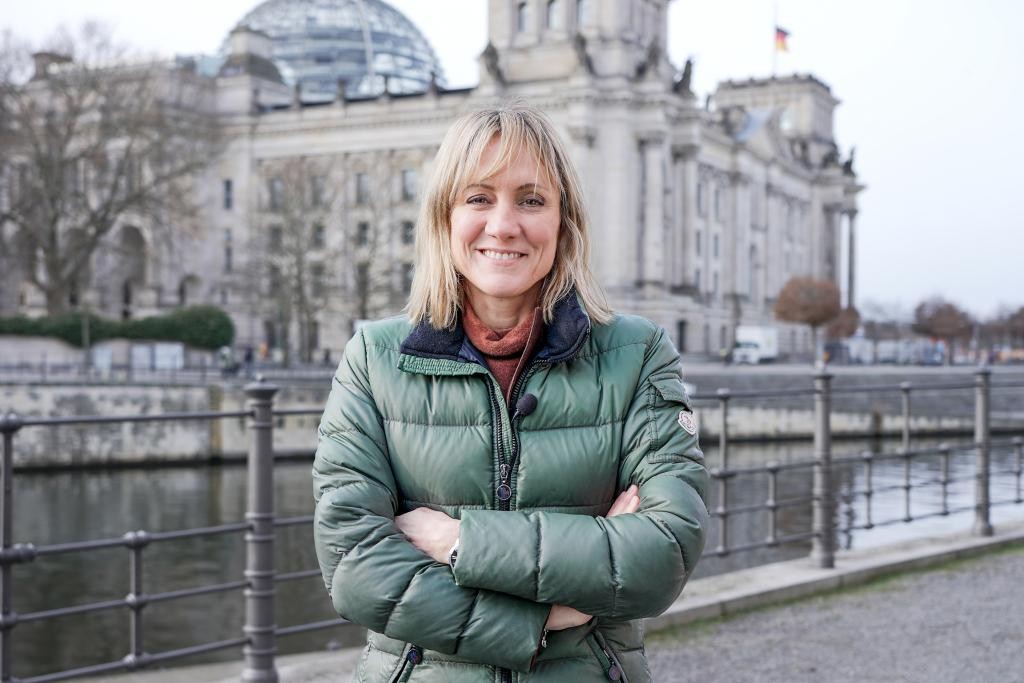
x=930, y=89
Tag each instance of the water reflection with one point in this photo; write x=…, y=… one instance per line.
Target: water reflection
x=54, y=508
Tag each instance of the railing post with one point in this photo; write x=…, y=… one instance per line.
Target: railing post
x=722, y=510
x=905, y=401
x=823, y=545
x=982, y=446
x=9, y=425
x=259, y=568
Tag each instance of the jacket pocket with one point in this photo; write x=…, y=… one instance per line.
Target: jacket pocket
x=606, y=657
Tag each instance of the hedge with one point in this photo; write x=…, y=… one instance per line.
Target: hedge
x=203, y=327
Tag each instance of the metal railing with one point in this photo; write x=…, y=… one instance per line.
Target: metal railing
x=822, y=501
x=259, y=633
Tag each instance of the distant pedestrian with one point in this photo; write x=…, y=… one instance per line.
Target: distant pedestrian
x=509, y=480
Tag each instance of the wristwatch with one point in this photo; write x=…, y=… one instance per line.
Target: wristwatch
x=453, y=554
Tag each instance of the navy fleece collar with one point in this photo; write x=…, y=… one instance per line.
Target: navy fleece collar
x=563, y=338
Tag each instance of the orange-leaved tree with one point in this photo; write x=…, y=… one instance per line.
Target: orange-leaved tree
x=808, y=301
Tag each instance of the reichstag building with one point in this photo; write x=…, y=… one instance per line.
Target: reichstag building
x=702, y=209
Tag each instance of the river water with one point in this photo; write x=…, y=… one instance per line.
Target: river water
x=72, y=506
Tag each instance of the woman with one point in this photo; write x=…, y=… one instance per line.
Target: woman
x=508, y=479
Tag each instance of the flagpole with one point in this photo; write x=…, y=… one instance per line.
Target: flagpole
x=775, y=29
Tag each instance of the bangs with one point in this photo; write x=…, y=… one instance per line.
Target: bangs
x=514, y=138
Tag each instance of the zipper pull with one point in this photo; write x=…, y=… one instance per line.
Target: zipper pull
x=503, y=471
x=544, y=639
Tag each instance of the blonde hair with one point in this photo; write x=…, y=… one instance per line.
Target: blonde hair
x=436, y=294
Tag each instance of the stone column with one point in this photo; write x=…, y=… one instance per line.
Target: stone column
x=651, y=266
x=851, y=262
x=684, y=197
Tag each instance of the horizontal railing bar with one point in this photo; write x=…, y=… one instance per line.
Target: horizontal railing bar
x=760, y=507
x=196, y=650
x=1008, y=384
x=752, y=393
x=914, y=388
x=293, y=521
x=312, y=626
x=294, y=576
x=298, y=411
x=144, y=660
x=69, y=611
x=75, y=673
x=781, y=540
x=192, y=592
x=155, y=537
x=220, y=529
x=101, y=419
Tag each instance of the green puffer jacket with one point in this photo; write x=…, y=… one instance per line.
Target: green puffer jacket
x=416, y=419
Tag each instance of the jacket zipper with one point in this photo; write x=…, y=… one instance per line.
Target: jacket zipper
x=614, y=672
x=410, y=658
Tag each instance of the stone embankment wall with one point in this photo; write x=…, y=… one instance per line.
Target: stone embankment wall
x=859, y=414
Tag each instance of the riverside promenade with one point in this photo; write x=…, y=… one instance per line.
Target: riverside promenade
x=935, y=609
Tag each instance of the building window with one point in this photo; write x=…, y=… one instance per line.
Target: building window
x=317, y=189
x=223, y=296
x=718, y=204
x=714, y=284
x=275, y=237
x=316, y=278
x=228, y=252
x=554, y=14
x=722, y=337
x=362, y=279
x=229, y=199
x=702, y=202
x=697, y=281
x=276, y=190
x=681, y=336
x=521, y=17
x=408, y=185
x=362, y=189
x=318, y=235
x=582, y=13
x=362, y=234
x=697, y=245
x=408, y=232
x=714, y=245
x=407, y=277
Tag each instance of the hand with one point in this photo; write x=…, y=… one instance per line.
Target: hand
x=628, y=501
x=431, y=531
x=562, y=616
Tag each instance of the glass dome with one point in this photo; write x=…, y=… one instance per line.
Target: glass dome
x=366, y=43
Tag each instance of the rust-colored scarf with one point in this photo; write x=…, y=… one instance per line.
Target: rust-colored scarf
x=506, y=351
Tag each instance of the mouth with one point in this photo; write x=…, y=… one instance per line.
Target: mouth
x=501, y=255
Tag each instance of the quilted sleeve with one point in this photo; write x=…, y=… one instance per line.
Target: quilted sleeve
x=375, y=576
x=624, y=567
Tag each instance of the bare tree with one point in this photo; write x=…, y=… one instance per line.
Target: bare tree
x=844, y=325
x=808, y=301
x=376, y=232
x=943, y=320
x=292, y=255
x=883, y=321
x=90, y=139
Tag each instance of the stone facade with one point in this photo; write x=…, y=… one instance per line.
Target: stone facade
x=701, y=211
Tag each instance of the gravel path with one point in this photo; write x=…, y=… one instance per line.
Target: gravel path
x=962, y=623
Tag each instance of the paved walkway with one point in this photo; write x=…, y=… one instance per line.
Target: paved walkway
x=962, y=622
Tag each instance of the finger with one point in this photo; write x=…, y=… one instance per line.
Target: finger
x=634, y=504
x=619, y=505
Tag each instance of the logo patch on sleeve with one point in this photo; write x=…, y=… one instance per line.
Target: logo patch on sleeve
x=687, y=422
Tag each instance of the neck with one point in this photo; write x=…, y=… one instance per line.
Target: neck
x=500, y=313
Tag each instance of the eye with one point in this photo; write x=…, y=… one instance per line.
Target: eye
x=533, y=200
x=477, y=199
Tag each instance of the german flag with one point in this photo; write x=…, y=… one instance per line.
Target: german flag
x=781, y=35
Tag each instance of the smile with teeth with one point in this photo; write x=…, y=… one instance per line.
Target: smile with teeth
x=501, y=255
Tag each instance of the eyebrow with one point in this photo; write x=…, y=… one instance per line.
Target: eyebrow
x=524, y=186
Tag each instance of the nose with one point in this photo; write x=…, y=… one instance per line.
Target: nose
x=503, y=221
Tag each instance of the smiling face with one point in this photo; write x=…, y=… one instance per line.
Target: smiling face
x=504, y=231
